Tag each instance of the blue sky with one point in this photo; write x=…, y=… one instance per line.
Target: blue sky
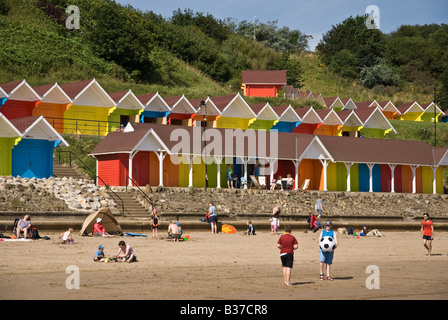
x=312, y=17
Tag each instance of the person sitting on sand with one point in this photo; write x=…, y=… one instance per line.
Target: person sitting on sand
x=99, y=229
x=174, y=231
x=250, y=229
x=125, y=253
x=99, y=254
x=24, y=225
x=67, y=236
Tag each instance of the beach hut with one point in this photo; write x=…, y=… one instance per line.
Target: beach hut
x=431, y=110
x=182, y=111
x=9, y=138
x=129, y=109
x=156, y=110
x=348, y=103
x=54, y=103
x=305, y=95
x=266, y=117
x=90, y=109
x=19, y=99
x=263, y=83
x=331, y=123
x=374, y=122
x=32, y=157
x=410, y=111
x=207, y=110
x=317, y=97
x=333, y=103
x=352, y=123
x=288, y=119
x=235, y=112
x=388, y=108
x=310, y=120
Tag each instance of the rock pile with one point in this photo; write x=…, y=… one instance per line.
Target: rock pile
x=52, y=194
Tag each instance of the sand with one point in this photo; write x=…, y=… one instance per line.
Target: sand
x=223, y=266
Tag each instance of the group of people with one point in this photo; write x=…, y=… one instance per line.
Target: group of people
x=279, y=183
x=125, y=253
x=287, y=244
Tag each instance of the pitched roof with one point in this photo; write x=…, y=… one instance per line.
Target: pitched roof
x=277, y=77
x=381, y=151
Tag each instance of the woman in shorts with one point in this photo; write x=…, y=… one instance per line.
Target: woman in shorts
x=427, y=231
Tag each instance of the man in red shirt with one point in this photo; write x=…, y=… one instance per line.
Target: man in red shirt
x=427, y=230
x=287, y=244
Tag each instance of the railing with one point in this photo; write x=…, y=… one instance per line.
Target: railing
x=94, y=174
x=140, y=190
x=83, y=126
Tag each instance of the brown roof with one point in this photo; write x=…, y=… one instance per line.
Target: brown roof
x=144, y=98
x=364, y=150
x=24, y=123
x=74, y=88
x=117, y=96
x=280, y=109
x=8, y=87
x=42, y=90
x=263, y=77
x=222, y=101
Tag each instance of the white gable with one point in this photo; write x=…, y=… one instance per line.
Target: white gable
x=24, y=92
x=94, y=95
x=56, y=95
x=238, y=108
x=7, y=130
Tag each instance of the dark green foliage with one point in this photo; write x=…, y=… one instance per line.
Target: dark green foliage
x=4, y=7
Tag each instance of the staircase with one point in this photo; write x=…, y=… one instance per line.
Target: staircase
x=133, y=208
x=63, y=170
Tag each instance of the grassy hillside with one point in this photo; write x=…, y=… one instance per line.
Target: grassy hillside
x=319, y=79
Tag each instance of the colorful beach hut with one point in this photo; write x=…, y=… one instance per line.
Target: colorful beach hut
x=54, y=103
x=156, y=110
x=263, y=83
x=182, y=111
x=235, y=112
x=9, y=138
x=266, y=117
x=129, y=108
x=288, y=119
x=19, y=99
x=207, y=110
x=374, y=122
x=310, y=120
x=388, y=109
x=410, y=111
x=90, y=109
x=352, y=123
x=348, y=103
x=3, y=97
x=333, y=103
x=32, y=157
x=431, y=110
x=331, y=123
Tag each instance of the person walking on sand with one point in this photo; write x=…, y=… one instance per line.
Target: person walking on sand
x=427, y=231
x=213, y=218
x=154, y=223
x=318, y=205
x=326, y=258
x=275, y=223
x=287, y=243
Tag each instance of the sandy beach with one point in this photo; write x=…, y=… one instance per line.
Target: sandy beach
x=224, y=266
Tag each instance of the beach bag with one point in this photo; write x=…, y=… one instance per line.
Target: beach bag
x=35, y=234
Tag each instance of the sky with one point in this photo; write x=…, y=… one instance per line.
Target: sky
x=311, y=17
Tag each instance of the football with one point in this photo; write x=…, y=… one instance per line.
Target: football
x=327, y=244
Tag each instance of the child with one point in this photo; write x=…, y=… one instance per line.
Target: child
x=154, y=223
x=427, y=232
x=67, y=236
x=273, y=226
x=99, y=254
x=287, y=243
x=326, y=258
x=125, y=253
x=250, y=229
